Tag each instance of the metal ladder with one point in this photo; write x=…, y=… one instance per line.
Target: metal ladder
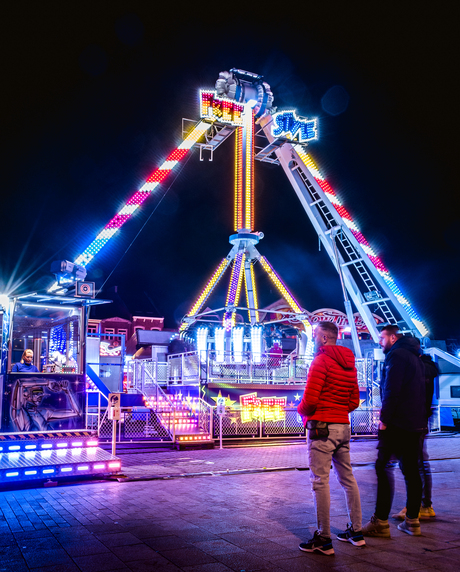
x=350, y=255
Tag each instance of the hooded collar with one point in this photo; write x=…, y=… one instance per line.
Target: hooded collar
x=342, y=355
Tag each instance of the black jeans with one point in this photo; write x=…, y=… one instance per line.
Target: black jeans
x=405, y=446
x=425, y=471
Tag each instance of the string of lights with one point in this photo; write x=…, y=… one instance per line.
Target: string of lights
x=349, y=222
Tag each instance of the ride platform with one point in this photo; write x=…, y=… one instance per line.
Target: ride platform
x=53, y=454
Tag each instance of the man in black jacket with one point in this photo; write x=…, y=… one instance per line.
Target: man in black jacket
x=431, y=371
x=402, y=422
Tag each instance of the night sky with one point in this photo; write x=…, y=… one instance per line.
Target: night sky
x=93, y=95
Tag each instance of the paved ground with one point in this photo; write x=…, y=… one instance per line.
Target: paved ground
x=244, y=459
x=240, y=521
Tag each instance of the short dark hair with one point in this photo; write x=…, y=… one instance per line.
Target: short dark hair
x=330, y=328
x=392, y=330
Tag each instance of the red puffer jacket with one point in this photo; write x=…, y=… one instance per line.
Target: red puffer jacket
x=332, y=389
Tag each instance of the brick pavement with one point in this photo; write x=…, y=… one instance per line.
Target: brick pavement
x=243, y=459
x=239, y=522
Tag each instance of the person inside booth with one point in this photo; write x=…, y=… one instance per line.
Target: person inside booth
x=25, y=365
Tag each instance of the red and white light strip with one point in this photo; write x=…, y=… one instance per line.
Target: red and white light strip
x=373, y=257
x=157, y=177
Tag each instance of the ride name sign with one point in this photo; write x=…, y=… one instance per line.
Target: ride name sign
x=221, y=109
x=286, y=123
x=263, y=408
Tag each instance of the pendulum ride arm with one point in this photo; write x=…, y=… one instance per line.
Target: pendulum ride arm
x=367, y=280
x=244, y=173
x=244, y=203
x=243, y=221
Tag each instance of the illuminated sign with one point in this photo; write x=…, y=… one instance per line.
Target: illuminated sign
x=221, y=109
x=262, y=408
x=288, y=124
x=340, y=319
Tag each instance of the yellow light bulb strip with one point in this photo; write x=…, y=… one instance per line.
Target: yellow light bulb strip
x=240, y=280
x=234, y=289
x=249, y=170
x=209, y=287
x=239, y=178
x=254, y=290
x=285, y=293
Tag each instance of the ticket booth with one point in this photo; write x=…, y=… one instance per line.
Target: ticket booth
x=43, y=390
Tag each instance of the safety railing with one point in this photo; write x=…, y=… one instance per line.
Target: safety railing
x=247, y=367
x=205, y=417
x=144, y=374
x=137, y=424
x=184, y=368
x=236, y=424
x=161, y=410
x=155, y=421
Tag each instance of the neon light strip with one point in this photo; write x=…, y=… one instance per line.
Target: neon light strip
x=348, y=221
x=234, y=289
x=157, y=177
x=285, y=292
x=256, y=343
x=249, y=168
x=202, y=342
x=207, y=290
x=254, y=290
x=239, y=178
x=280, y=285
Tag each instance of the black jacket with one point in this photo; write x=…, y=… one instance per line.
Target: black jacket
x=431, y=371
x=402, y=389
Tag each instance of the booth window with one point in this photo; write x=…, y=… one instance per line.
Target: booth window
x=52, y=332
x=455, y=391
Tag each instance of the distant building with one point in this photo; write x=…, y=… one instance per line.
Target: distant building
x=111, y=328
x=128, y=328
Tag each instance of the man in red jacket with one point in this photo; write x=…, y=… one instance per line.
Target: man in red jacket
x=331, y=392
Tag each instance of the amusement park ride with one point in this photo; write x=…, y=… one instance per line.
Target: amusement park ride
x=241, y=104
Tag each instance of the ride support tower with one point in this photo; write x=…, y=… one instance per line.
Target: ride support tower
x=241, y=97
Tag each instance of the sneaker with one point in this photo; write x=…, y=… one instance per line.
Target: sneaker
x=400, y=515
x=353, y=536
x=318, y=544
x=426, y=512
x=410, y=526
x=377, y=527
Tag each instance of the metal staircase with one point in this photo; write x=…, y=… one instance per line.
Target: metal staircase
x=187, y=420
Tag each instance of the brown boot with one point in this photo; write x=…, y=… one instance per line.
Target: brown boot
x=377, y=527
